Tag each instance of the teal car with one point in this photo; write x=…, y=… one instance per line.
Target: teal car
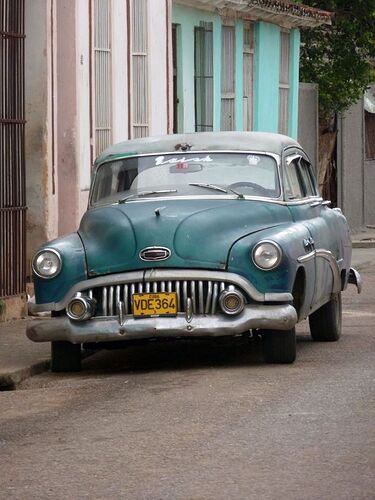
x=196, y=235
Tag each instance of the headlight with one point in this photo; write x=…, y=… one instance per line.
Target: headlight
x=47, y=263
x=267, y=255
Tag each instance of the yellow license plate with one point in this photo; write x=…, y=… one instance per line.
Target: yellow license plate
x=154, y=304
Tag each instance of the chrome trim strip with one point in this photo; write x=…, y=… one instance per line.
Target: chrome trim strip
x=271, y=317
x=355, y=279
x=307, y=257
x=150, y=275
x=328, y=256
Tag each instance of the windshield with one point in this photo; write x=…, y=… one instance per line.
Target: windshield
x=186, y=174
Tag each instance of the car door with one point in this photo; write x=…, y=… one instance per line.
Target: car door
x=307, y=207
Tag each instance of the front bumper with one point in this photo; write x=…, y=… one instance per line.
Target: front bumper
x=268, y=317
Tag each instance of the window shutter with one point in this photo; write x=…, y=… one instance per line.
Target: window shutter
x=139, y=69
x=227, y=77
x=102, y=75
x=284, y=82
x=248, y=75
x=203, y=77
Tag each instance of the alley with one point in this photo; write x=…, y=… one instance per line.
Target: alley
x=200, y=421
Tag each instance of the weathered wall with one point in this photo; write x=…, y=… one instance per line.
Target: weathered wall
x=68, y=170
x=369, y=201
x=308, y=134
x=350, y=168
x=40, y=195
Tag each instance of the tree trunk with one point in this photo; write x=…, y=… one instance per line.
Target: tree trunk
x=327, y=159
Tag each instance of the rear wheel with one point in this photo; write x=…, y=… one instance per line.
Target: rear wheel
x=279, y=346
x=325, y=323
x=65, y=357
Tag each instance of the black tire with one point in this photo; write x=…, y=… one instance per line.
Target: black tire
x=279, y=346
x=65, y=357
x=325, y=323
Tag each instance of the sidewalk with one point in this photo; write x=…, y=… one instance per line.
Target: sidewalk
x=20, y=358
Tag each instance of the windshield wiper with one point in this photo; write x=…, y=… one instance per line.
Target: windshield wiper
x=216, y=188
x=146, y=193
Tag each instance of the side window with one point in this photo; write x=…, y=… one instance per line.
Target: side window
x=308, y=182
x=293, y=186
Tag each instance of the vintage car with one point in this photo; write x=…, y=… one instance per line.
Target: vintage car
x=196, y=235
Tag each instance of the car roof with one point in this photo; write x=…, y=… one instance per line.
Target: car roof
x=200, y=141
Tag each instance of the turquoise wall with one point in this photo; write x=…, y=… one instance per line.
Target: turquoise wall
x=295, y=41
x=266, y=78
x=266, y=72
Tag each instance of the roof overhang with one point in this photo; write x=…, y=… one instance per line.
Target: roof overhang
x=281, y=12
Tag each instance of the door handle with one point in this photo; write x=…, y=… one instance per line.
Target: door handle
x=309, y=244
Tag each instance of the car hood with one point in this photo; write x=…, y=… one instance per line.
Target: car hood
x=198, y=232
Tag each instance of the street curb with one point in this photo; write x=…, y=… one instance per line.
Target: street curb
x=364, y=266
x=10, y=381
x=363, y=244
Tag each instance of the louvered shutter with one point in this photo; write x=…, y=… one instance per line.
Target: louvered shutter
x=227, y=77
x=203, y=77
x=284, y=82
x=139, y=69
x=102, y=90
x=248, y=75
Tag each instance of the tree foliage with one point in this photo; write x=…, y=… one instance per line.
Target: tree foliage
x=338, y=57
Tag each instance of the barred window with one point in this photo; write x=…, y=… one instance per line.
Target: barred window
x=284, y=85
x=248, y=75
x=203, y=77
x=102, y=82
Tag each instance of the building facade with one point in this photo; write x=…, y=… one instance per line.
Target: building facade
x=356, y=161
x=103, y=71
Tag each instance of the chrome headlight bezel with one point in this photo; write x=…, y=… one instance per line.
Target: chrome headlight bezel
x=56, y=257
x=278, y=255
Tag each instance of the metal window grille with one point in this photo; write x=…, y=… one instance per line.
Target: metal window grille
x=102, y=75
x=248, y=75
x=204, y=77
x=284, y=86
x=139, y=69
x=12, y=149
x=227, y=77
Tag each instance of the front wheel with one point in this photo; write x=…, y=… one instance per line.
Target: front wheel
x=325, y=323
x=279, y=346
x=65, y=357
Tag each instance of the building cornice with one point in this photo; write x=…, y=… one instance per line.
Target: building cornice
x=281, y=12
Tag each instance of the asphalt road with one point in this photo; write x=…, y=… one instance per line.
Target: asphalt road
x=197, y=420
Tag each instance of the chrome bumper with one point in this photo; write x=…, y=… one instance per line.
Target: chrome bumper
x=269, y=317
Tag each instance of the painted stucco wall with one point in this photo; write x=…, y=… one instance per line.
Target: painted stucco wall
x=356, y=176
x=350, y=173
x=266, y=71
x=158, y=77
x=308, y=115
x=41, y=193
x=266, y=78
x=66, y=112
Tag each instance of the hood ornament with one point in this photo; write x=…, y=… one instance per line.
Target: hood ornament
x=154, y=254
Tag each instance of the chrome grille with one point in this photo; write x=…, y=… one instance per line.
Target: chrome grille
x=204, y=295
